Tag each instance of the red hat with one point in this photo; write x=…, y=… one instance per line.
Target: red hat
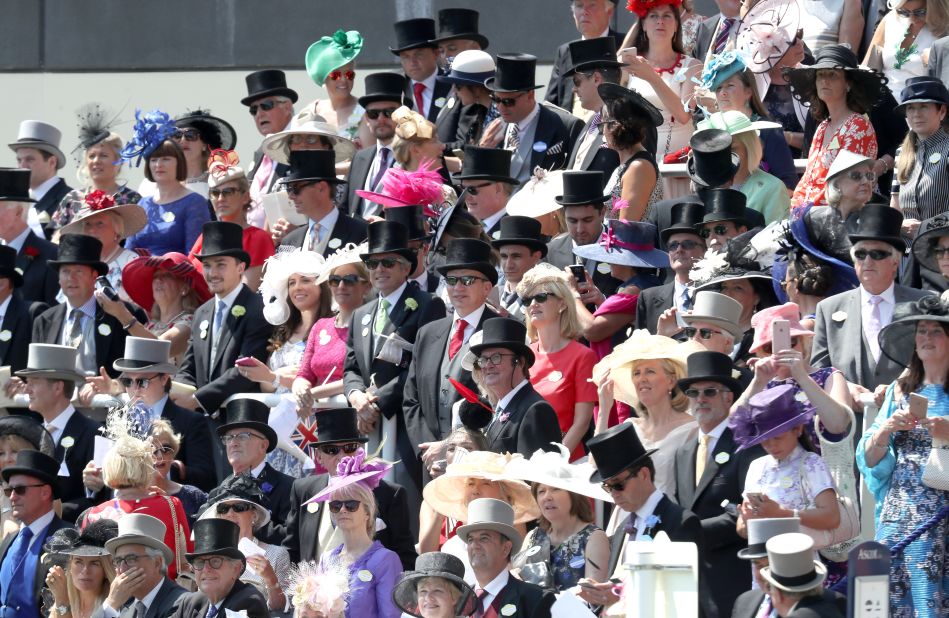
x=642, y=7
x=137, y=277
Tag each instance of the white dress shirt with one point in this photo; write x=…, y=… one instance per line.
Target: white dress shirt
x=472, y=320
x=57, y=426
x=326, y=225
x=504, y=401
x=494, y=588
x=40, y=524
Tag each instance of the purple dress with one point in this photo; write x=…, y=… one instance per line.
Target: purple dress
x=372, y=598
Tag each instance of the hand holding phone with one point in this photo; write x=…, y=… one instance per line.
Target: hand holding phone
x=579, y=272
x=918, y=406
x=246, y=361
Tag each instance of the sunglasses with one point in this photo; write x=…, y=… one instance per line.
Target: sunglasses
x=138, y=382
x=704, y=333
x=875, y=254
x=474, y=189
x=693, y=393
x=940, y=252
x=615, y=485
x=215, y=563
x=373, y=264
x=685, y=245
x=337, y=75
x=494, y=359
x=189, y=135
x=858, y=176
x=336, y=280
x=373, y=114
x=350, y=505
x=914, y=13
x=309, y=140
x=239, y=507
x=267, y=105
x=298, y=188
x=719, y=230
x=223, y=192
x=541, y=298
x=465, y=280
x=506, y=101
x=333, y=449
x=161, y=451
x=18, y=490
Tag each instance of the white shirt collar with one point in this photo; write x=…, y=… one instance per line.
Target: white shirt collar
x=496, y=585
x=230, y=298
x=526, y=122
x=472, y=318
x=504, y=401
x=428, y=81
x=17, y=243
x=888, y=295
x=40, y=192
x=603, y=34
x=717, y=431
x=422, y=281
x=643, y=512
x=256, y=470
x=489, y=221
x=40, y=524
x=149, y=598
x=328, y=222
x=394, y=297
x=59, y=423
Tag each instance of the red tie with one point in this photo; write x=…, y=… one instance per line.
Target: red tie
x=419, y=88
x=457, y=339
x=481, y=612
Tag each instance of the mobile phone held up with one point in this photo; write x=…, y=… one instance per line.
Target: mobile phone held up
x=579, y=272
x=106, y=287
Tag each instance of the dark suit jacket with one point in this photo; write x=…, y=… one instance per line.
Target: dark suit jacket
x=241, y=597
x=719, y=561
x=598, y=157
x=39, y=580
x=356, y=179
x=560, y=88
x=681, y=525
x=531, y=425
x=72, y=492
x=747, y=603
x=442, y=90
x=939, y=59
x=18, y=319
x=652, y=302
x=529, y=599
x=243, y=336
x=196, y=446
x=48, y=328
x=347, y=230
x=703, y=37
x=560, y=130
x=828, y=605
x=40, y=282
x=446, y=124
x=302, y=537
x=470, y=126
x=51, y=201
x=163, y=605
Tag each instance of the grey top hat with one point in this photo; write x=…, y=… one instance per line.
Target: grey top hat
x=435, y=564
x=761, y=530
x=791, y=565
x=42, y=136
x=149, y=355
x=491, y=514
x=717, y=309
x=53, y=362
x=140, y=529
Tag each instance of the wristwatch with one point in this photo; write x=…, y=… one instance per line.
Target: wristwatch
x=62, y=610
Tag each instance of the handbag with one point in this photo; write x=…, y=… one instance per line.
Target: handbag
x=185, y=578
x=936, y=470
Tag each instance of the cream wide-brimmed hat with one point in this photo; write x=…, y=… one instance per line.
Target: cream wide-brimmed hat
x=553, y=468
x=307, y=122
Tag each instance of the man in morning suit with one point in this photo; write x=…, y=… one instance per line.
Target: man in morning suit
x=939, y=59
x=492, y=539
x=848, y=324
x=418, y=53
x=379, y=348
x=37, y=150
x=34, y=484
x=309, y=529
x=521, y=247
x=33, y=252
x=271, y=104
x=419, y=242
x=796, y=580
x=16, y=315
x=708, y=473
x=755, y=603
x=311, y=185
x=488, y=184
x=218, y=565
x=717, y=33
x=626, y=470
x=538, y=135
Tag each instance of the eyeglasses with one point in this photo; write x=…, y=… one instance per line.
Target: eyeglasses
x=189, y=135
x=237, y=507
x=704, y=333
x=914, y=13
x=336, y=280
x=494, y=359
x=719, y=230
x=474, y=189
x=605, y=123
x=267, y=105
x=308, y=140
x=875, y=254
x=506, y=101
x=373, y=264
x=685, y=245
x=161, y=451
x=215, y=563
x=333, y=449
x=373, y=114
x=130, y=560
x=940, y=252
x=541, y=298
x=465, y=280
x=18, y=489
x=241, y=437
x=616, y=485
x=693, y=393
x=137, y=382
x=223, y=192
x=858, y=176
x=350, y=505
x=337, y=74
x=297, y=188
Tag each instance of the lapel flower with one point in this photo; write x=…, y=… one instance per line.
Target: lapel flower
x=238, y=310
x=5, y=335
x=504, y=416
x=266, y=487
x=838, y=316
x=411, y=304
x=651, y=522
x=31, y=252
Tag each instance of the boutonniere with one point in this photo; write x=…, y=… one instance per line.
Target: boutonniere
x=838, y=316
x=5, y=335
x=411, y=304
x=504, y=416
x=238, y=310
x=266, y=487
x=105, y=330
x=508, y=610
x=651, y=522
x=31, y=252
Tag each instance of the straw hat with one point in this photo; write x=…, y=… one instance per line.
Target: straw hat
x=96, y=202
x=539, y=275
x=307, y=122
x=555, y=470
x=536, y=197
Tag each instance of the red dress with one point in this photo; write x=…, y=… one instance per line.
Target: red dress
x=856, y=134
x=563, y=379
x=257, y=243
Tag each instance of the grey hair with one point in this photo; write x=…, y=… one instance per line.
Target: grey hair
x=25, y=208
x=832, y=192
x=156, y=553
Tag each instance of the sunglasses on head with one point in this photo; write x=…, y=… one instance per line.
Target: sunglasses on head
x=190, y=135
x=373, y=114
x=506, y=101
x=858, y=176
x=465, y=280
x=336, y=280
x=18, y=489
x=685, y=245
x=914, y=13
x=373, y=264
x=540, y=297
x=333, y=449
x=267, y=105
x=298, y=188
x=875, y=254
x=337, y=75
x=704, y=333
x=719, y=230
x=693, y=393
x=139, y=382
x=350, y=505
x=474, y=189
x=228, y=192
x=237, y=507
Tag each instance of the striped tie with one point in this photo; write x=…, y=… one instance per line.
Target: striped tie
x=722, y=38
x=595, y=122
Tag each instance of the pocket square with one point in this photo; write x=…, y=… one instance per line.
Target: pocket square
x=555, y=149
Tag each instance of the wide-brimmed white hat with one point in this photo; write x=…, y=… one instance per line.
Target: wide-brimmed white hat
x=791, y=565
x=844, y=161
x=307, y=122
x=277, y=272
x=536, y=197
x=555, y=470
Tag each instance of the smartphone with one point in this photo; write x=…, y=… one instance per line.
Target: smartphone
x=918, y=406
x=754, y=496
x=579, y=272
x=103, y=284
x=246, y=361
x=780, y=335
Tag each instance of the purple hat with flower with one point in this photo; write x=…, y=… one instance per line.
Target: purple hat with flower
x=351, y=470
x=768, y=414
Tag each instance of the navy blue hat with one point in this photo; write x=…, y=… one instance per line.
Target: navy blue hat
x=922, y=90
x=627, y=243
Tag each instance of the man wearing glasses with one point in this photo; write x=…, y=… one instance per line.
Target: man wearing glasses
x=270, y=102
x=724, y=217
x=309, y=529
x=32, y=485
x=486, y=179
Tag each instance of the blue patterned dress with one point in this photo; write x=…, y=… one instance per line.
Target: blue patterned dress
x=919, y=577
x=567, y=561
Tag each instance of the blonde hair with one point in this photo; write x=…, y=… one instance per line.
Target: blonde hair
x=906, y=160
x=937, y=15
x=359, y=491
x=108, y=573
x=753, y=151
x=129, y=464
x=161, y=427
x=678, y=400
x=569, y=321
x=113, y=141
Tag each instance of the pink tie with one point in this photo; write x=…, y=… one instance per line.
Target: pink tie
x=419, y=88
x=262, y=178
x=874, y=326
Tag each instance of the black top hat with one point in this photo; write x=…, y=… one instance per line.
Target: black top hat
x=469, y=253
x=37, y=465
x=525, y=231
x=582, y=188
x=710, y=367
x=15, y=185
x=879, y=222
x=215, y=132
x=685, y=216
x=459, y=24
x=80, y=249
x=513, y=73
x=251, y=414
x=413, y=33
x=337, y=425
x=723, y=205
x=216, y=537
x=923, y=89
x=803, y=80
x=589, y=54
x=641, y=107
x=712, y=163
x=311, y=165
x=504, y=333
x=616, y=449
x=389, y=237
x=383, y=87
x=486, y=164
x=223, y=238
x=267, y=83
x=8, y=265
x=409, y=216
